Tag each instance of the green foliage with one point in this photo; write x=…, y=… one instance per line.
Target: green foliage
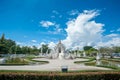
x=90, y=51
x=116, y=49
x=12, y=49
x=90, y=63
x=3, y=49
x=78, y=62
x=5, y=45
x=112, y=67
x=42, y=62
x=60, y=76
x=86, y=48
x=2, y=40
x=109, y=50
x=44, y=48
x=15, y=61
x=9, y=46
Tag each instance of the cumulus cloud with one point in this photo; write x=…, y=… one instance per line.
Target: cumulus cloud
x=73, y=12
x=55, y=12
x=118, y=29
x=109, y=43
x=19, y=43
x=56, y=30
x=47, y=23
x=34, y=41
x=51, y=45
x=112, y=35
x=39, y=45
x=112, y=31
x=83, y=30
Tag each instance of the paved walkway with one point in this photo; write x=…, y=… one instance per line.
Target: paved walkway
x=54, y=65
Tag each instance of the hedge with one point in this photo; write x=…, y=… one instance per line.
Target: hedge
x=60, y=76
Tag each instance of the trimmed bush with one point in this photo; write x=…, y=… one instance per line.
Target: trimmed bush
x=60, y=76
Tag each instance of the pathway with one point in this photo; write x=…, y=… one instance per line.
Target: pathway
x=54, y=65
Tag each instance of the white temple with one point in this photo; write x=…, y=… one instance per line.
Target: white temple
x=60, y=50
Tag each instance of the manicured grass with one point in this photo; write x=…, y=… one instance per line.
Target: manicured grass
x=40, y=61
x=31, y=59
x=113, y=60
x=90, y=59
x=90, y=63
x=14, y=64
x=112, y=67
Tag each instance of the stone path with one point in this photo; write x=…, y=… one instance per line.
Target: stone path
x=54, y=65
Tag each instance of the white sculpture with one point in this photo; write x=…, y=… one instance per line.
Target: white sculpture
x=61, y=55
x=98, y=57
x=84, y=54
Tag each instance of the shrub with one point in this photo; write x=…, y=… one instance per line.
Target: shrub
x=60, y=76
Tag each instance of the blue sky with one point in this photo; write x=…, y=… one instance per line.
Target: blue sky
x=36, y=21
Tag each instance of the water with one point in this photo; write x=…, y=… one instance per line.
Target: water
x=2, y=60
x=108, y=63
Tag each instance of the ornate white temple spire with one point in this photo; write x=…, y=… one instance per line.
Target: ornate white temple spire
x=59, y=42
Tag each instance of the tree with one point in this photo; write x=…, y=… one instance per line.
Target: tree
x=110, y=52
x=116, y=49
x=44, y=48
x=18, y=49
x=12, y=49
x=35, y=50
x=5, y=44
x=2, y=39
x=24, y=50
x=3, y=49
x=103, y=51
x=90, y=50
x=106, y=51
x=86, y=48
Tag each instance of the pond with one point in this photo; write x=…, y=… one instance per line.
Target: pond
x=20, y=61
x=108, y=63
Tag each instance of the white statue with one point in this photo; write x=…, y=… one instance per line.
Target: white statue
x=61, y=55
x=98, y=57
x=84, y=54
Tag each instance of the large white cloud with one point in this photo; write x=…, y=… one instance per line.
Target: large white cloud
x=83, y=30
x=110, y=43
